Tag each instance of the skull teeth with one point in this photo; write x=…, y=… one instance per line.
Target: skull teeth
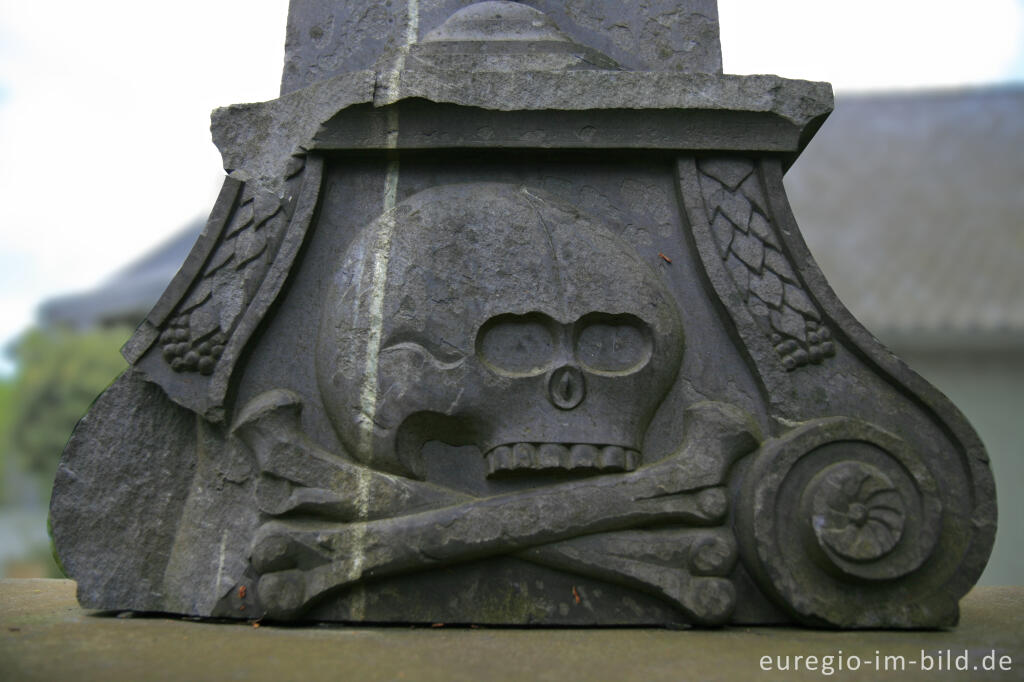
x=560, y=457
x=583, y=455
x=552, y=456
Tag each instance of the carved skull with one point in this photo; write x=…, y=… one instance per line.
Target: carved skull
x=498, y=316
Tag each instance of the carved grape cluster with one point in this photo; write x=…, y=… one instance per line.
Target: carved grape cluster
x=185, y=354
x=819, y=346
x=233, y=270
x=754, y=258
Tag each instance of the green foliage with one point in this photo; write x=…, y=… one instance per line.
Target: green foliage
x=59, y=373
x=6, y=399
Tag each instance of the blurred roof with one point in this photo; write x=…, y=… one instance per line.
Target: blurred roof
x=913, y=205
x=128, y=294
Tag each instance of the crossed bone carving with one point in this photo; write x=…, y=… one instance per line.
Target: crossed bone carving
x=335, y=522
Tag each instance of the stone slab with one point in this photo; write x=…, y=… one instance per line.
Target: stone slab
x=780, y=115
x=45, y=635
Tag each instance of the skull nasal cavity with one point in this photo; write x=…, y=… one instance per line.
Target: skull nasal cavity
x=566, y=388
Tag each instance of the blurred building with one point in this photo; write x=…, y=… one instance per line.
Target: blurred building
x=913, y=205
x=127, y=295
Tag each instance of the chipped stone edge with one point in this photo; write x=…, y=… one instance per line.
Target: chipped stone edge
x=256, y=140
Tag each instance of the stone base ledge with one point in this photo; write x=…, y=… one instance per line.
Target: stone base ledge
x=45, y=635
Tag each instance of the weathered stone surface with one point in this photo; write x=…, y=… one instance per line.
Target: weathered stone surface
x=328, y=38
x=579, y=109
x=497, y=321
x=118, y=497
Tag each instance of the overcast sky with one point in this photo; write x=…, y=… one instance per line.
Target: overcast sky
x=104, y=105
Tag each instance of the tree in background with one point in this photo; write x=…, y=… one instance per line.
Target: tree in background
x=6, y=393
x=60, y=372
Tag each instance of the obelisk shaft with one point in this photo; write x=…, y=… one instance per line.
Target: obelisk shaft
x=328, y=37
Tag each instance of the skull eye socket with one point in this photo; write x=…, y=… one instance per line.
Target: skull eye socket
x=612, y=344
x=517, y=345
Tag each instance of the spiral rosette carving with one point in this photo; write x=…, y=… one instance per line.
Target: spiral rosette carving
x=856, y=511
x=840, y=522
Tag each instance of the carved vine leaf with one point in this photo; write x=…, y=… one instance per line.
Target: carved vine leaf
x=750, y=248
x=195, y=334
